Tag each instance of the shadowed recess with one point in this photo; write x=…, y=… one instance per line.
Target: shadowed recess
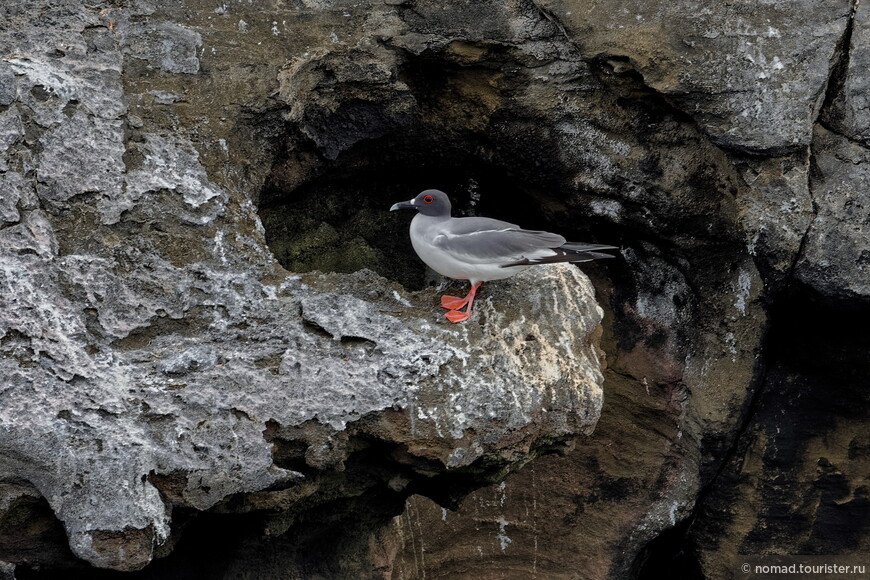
x=340, y=221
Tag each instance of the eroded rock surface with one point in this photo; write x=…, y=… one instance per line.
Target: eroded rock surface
x=753, y=76
x=723, y=147
x=156, y=358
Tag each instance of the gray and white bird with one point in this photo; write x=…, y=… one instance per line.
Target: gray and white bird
x=482, y=249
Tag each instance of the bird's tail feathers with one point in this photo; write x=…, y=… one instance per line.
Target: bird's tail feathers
x=578, y=247
x=567, y=253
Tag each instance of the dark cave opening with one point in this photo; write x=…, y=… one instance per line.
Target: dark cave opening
x=340, y=220
x=331, y=212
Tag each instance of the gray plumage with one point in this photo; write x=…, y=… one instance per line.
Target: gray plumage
x=482, y=249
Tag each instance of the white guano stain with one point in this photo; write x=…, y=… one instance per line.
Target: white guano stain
x=398, y=297
x=503, y=540
x=744, y=286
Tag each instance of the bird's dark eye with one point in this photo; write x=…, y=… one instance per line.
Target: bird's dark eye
x=428, y=199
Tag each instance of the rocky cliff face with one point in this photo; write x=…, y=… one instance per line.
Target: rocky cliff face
x=215, y=340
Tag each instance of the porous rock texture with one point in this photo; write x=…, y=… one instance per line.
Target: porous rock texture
x=170, y=388
x=156, y=358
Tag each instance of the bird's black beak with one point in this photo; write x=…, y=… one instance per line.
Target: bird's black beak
x=403, y=205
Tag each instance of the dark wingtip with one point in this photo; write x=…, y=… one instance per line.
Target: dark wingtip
x=598, y=255
x=568, y=255
x=578, y=247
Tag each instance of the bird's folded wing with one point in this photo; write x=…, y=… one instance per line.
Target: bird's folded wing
x=480, y=240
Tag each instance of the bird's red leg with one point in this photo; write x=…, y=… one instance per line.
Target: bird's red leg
x=457, y=315
x=453, y=302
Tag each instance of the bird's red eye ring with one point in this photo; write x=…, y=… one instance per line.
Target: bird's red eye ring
x=428, y=199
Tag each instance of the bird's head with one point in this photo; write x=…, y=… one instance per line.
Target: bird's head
x=430, y=202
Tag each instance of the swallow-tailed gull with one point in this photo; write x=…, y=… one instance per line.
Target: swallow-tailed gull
x=481, y=249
